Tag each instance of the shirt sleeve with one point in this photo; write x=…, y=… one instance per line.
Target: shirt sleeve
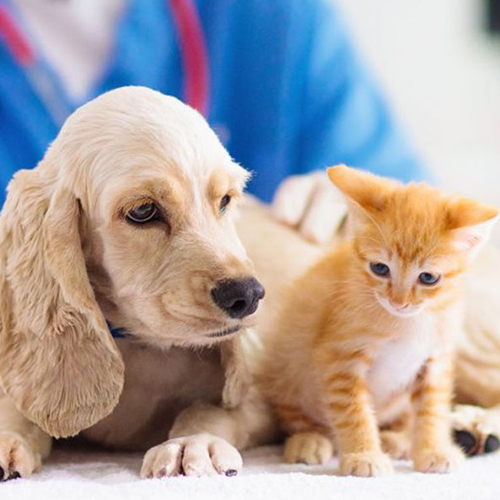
x=345, y=118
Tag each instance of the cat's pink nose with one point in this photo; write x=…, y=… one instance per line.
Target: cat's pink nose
x=399, y=306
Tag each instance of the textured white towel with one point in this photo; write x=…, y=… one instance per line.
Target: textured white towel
x=90, y=475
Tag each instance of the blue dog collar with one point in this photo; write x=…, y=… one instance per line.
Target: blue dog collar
x=116, y=333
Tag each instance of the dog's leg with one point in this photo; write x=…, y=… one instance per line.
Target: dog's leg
x=205, y=440
x=476, y=430
x=23, y=445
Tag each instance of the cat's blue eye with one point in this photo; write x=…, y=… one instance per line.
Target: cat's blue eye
x=224, y=202
x=428, y=278
x=380, y=269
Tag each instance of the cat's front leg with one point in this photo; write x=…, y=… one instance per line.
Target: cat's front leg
x=307, y=442
x=433, y=449
x=356, y=431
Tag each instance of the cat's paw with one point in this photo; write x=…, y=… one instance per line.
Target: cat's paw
x=196, y=455
x=476, y=430
x=437, y=460
x=308, y=448
x=17, y=459
x=365, y=464
x=396, y=444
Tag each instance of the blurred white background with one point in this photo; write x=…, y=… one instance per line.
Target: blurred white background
x=441, y=73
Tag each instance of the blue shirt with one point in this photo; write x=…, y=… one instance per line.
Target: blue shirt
x=288, y=93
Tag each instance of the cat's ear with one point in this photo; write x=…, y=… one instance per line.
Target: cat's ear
x=367, y=190
x=470, y=223
x=364, y=193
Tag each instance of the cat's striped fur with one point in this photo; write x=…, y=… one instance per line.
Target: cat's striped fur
x=363, y=361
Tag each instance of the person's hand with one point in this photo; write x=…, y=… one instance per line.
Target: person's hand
x=311, y=204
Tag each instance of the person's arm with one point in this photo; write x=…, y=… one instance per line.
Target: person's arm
x=343, y=119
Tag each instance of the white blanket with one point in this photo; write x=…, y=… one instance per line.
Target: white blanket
x=91, y=475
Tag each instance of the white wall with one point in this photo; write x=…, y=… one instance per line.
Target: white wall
x=441, y=73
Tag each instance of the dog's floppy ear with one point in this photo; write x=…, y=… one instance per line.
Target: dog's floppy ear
x=58, y=361
x=236, y=371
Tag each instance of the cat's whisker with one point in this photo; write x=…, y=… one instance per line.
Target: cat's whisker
x=379, y=229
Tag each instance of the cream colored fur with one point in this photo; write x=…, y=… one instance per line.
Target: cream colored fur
x=71, y=259
x=68, y=261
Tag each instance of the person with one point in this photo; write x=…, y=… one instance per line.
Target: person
x=278, y=80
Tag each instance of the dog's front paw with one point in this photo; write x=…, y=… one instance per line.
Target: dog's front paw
x=16, y=457
x=308, y=448
x=197, y=455
x=476, y=430
x=437, y=460
x=365, y=464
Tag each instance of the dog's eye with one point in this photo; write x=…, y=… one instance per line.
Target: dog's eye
x=143, y=213
x=224, y=202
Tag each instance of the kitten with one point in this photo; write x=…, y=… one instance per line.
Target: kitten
x=368, y=332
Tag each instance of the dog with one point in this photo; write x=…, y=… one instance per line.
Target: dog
x=127, y=226
x=130, y=226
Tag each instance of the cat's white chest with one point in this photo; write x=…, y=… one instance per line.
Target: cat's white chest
x=398, y=362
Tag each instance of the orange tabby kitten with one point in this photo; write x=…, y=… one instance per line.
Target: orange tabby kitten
x=370, y=329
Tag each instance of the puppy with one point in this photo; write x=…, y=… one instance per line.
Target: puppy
x=127, y=221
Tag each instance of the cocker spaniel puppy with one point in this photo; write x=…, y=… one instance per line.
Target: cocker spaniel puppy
x=128, y=226
x=127, y=221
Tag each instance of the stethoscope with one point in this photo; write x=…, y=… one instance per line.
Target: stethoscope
x=50, y=90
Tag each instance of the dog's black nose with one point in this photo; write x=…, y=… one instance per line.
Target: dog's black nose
x=238, y=297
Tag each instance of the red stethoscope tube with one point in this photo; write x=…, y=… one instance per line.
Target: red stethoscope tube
x=14, y=39
x=192, y=46
x=194, y=51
